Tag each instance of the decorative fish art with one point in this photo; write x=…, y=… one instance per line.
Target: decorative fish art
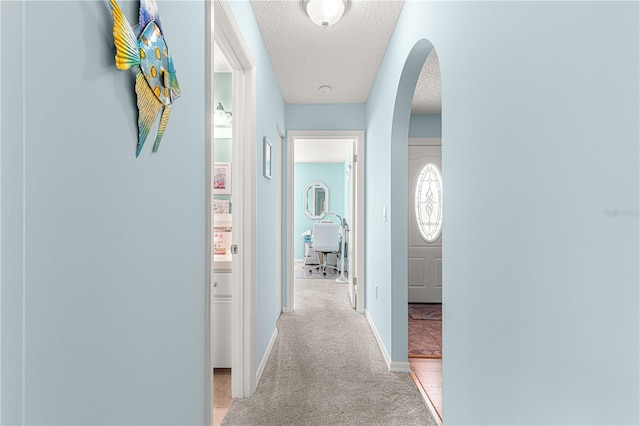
x=156, y=83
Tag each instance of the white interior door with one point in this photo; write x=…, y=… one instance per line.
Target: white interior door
x=425, y=224
x=277, y=171
x=351, y=258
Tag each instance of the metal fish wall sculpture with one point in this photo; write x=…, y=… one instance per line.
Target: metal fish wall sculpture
x=156, y=83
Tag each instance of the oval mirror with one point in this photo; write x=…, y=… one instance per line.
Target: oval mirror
x=315, y=199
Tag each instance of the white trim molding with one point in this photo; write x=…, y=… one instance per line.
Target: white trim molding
x=208, y=327
x=357, y=231
x=400, y=367
x=383, y=350
x=394, y=366
x=227, y=35
x=267, y=353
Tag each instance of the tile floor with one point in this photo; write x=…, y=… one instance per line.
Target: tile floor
x=221, y=394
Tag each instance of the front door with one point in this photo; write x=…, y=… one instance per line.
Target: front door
x=425, y=224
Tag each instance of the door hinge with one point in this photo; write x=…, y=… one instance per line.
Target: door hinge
x=355, y=158
x=234, y=249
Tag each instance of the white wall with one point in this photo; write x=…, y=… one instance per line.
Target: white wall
x=540, y=140
x=103, y=254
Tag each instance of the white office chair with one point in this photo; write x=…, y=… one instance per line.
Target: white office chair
x=325, y=241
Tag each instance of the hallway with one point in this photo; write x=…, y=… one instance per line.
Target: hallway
x=326, y=368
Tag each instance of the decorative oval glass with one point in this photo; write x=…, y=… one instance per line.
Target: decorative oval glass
x=429, y=203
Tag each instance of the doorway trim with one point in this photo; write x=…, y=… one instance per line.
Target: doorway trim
x=358, y=226
x=278, y=177
x=222, y=28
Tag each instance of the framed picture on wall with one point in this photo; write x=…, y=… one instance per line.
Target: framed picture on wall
x=222, y=178
x=267, y=158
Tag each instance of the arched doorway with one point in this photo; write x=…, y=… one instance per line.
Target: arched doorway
x=416, y=166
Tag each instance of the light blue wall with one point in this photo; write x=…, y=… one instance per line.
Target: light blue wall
x=270, y=120
x=103, y=254
x=326, y=116
x=425, y=126
x=332, y=174
x=532, y=163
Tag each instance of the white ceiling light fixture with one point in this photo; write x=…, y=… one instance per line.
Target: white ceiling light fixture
x=325, y=12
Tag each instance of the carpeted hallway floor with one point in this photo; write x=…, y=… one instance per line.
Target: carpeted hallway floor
x=326, y=369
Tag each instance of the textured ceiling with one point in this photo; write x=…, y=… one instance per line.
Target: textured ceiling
x=321, y=150
x=427, y=99
x=345, y=56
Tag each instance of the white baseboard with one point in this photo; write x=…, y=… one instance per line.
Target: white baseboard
x=263, y=363
x=400, y=367
x=385, y=354
x=395, y=366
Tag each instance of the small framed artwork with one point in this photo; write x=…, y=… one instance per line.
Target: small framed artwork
x=267, y=158
x=222, y=178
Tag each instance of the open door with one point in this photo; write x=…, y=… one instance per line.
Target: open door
x=356, y=224
x=351, y=258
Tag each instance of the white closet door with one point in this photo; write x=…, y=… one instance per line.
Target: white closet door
x=425, y=224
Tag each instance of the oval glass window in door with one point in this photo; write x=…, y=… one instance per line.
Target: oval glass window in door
x=429, y=202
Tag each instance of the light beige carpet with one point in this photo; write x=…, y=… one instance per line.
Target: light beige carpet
x=326, y=369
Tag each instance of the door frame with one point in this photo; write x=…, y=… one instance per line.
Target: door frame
x=224, y=30
x=278, y=151
x=357, y=228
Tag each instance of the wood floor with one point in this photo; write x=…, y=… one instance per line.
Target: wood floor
x=427, y=373
x=221, y=394
x=425, y=360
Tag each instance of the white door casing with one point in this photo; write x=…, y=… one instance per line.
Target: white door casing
x=224, y=30
x=277, y=172
x=353, y=231
x=425, y=247
x=358, y=222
